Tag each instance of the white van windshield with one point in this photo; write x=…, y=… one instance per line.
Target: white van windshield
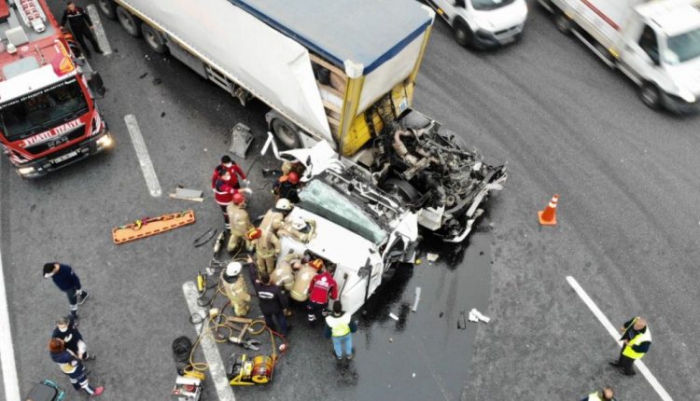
x=683, y=47
x=485, y=5
x=321, y=199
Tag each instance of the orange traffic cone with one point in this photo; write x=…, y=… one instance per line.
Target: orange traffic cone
x=548, y=216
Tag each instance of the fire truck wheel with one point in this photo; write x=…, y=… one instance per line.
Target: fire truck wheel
x=130, y=23
x=154, y=39
x=108, y=8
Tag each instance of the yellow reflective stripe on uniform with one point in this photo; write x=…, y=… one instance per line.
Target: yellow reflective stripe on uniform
x=340, y=326
x=67, y=368
x=594, y=397
x=638, y=339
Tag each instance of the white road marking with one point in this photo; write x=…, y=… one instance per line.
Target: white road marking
x=99, y=30
x=217, y=371
x=616, y=335
x=7, y=352
x=142, y=153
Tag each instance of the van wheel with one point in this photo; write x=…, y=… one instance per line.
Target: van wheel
x=650, y=95
x=563, y=23
x=154, y=39
x=462, y=34
x=129, y=22
x=108, y=8
x=286, y=134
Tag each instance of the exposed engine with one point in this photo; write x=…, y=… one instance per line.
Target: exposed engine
x=432, y=171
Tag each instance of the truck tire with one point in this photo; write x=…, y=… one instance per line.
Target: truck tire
x=154, y=39
x=563, y=23
x=130, y=23
x=286, y=134
x=650, y=95
x=463, y=35
x=108, y=8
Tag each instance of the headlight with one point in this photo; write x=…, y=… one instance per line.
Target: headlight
x=105, y=142
x=687, y=95
x=26, y=170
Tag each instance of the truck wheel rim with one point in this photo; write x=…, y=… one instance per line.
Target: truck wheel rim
x=286, y=136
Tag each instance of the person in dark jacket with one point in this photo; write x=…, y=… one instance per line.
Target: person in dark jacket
x=288, y=188
x=272, y=304
x=81, y=26
x=67, y=281
x=67, y=331
x=72, y=367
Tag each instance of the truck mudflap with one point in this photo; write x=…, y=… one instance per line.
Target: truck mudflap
x=73, y=154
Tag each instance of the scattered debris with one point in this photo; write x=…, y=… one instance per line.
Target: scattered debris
x=187, y=194
x=462, y=321
x=241, y=139
x=476, y=316
x=391, y=339
x=391, y=315
x=157, y=81
x=442, y=314
x=204, y=238
x=418, y=261
x=414, y=375
x=142, y=76
x=415, y=302
x=432, y=257
x=162, y=114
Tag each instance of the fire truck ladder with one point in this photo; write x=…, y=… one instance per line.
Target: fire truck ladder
x=32, y=14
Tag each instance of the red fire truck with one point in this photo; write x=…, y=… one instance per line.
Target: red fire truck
x=48, y=115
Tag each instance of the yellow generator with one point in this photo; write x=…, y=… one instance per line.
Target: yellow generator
x=244, y=371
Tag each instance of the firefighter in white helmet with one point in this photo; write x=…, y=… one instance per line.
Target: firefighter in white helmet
x=235, y=288
x=299, y=229
x=267, y=247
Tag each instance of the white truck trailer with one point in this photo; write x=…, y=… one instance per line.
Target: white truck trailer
x=342, y=72
x=656, y=43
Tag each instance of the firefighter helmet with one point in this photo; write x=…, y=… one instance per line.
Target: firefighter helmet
x=284, y=204
x=238, y=198
x=316, y=264
x=293, y=177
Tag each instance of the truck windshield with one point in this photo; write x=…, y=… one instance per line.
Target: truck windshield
x=41, y=110
x=486, y=5
x=683, y=47
x=321, y=199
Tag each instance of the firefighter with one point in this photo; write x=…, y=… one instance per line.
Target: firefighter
x=321, y=288
x=235, y=288
x=302, y=279
x=299, y=229
x=287, y=187
x=223, y=193
x=81, y=26
x=267, y=247
x=240, y=223
x=283, y=275
x=233, y=168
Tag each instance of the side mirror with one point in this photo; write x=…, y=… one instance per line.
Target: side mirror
x=97, y=85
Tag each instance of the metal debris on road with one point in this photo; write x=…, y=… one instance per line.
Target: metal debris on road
x=391, y=315
x=142, y=76
x=432, y=257
x=415, y=302
x=187, y=194
x=476, y=316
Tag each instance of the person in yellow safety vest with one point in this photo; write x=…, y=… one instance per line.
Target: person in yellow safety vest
x=339, y=327
x=636, y=337
x=267, y=247
x=235, y=288
x=606, y=394
x=240, y=223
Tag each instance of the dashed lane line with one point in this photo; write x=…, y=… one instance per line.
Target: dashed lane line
x=99, y=30
x=217, y=371
x=7, y=351
x=616, y=335
x=149, y=172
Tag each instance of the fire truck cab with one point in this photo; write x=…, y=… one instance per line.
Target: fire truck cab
x=48, y=115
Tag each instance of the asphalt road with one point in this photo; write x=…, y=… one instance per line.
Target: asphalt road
x=628, y=232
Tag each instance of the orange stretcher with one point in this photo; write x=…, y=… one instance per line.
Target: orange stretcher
x=148, y=226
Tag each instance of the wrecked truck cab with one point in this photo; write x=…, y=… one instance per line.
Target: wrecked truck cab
x=360, y=232
x=434, y=173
